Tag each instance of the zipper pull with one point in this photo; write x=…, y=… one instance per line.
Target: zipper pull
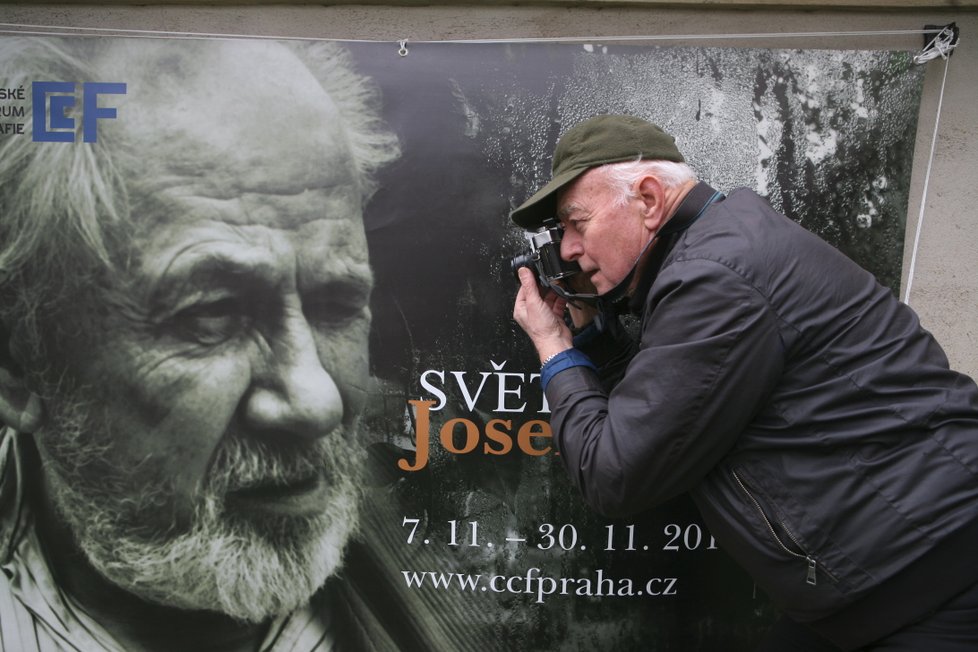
x=811, y=571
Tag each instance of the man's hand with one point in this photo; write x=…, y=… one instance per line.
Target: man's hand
x=541, y=317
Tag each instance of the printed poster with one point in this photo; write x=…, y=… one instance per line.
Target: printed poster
x=468, y=522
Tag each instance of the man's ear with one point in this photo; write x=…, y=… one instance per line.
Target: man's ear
x=20, y=408
x=653, y=195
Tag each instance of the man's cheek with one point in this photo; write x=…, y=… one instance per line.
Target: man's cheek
x=353, y=381
x=179, y=413
x=345, y=357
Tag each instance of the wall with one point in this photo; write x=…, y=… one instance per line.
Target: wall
x=945, y=283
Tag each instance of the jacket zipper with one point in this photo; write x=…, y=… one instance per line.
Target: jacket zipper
x=812, y=566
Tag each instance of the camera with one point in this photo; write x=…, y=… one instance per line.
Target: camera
x=544, y=255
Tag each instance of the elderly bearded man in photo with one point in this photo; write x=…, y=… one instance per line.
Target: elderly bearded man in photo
x=185, y=314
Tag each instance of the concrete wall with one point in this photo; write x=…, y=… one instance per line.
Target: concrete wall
x=945, y=283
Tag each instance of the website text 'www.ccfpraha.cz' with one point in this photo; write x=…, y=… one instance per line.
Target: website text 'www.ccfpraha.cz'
x=543, y=586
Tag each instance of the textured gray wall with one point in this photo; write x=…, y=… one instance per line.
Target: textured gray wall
x=945, y=283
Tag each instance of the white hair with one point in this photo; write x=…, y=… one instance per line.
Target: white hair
x=372, y=145
x=622, y=177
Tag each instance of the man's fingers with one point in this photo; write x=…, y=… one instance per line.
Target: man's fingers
x=527, y=278
x=528, y=285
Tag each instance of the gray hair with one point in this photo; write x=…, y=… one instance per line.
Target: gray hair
x=64, y=208
x=372, y=145
x=59, y=203
x=621, y=177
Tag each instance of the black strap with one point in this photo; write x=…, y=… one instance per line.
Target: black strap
x=692, y=206
x=690, y=210
x=635, y=286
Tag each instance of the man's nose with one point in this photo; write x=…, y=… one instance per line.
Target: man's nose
x=291, y=391
x=570, y=245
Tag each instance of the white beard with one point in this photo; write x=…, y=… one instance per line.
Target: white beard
x=247, y=568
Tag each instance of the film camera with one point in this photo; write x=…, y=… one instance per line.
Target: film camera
x=544, y=256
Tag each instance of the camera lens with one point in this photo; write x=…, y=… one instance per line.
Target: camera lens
x=554, y=267
x=523, y=260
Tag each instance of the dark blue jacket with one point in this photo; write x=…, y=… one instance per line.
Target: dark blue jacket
x=818, y=427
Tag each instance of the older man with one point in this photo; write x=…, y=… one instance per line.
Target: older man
x=816, y=425
x=185, y=316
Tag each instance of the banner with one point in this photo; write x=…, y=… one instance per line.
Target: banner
x=469, y=524
x=827, y=136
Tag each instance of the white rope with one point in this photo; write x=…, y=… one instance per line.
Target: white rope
x=939, y=46
x=48, y=30
x=685, y=37
x=923, y=194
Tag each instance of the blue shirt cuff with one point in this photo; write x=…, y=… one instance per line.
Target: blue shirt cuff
x=564, y=360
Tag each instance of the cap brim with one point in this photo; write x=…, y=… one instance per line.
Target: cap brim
x=542, y=206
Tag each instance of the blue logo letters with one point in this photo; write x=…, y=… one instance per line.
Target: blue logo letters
x=53, y=100
x=41, y=93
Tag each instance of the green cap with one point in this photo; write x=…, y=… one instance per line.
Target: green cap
x=597, y=141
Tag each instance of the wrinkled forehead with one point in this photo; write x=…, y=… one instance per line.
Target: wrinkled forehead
x=578, y=196
x=229, y=122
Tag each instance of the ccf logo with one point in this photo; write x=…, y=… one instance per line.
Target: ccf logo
x=55, y=100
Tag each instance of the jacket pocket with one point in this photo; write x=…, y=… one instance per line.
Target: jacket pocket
x=781, y=535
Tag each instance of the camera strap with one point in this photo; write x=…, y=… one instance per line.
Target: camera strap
x=690, y=209
x=636, y=284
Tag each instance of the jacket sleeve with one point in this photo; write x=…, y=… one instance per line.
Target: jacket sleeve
x=710, y=353
x=610, y=350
